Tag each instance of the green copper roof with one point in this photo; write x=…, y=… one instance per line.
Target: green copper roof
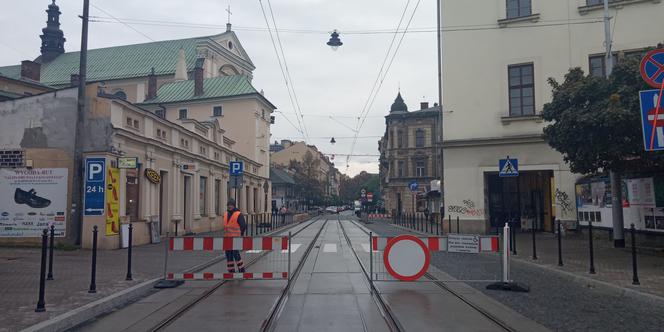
x=117, y=62
x=217, y=87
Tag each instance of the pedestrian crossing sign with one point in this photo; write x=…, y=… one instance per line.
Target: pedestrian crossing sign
x=508, y=167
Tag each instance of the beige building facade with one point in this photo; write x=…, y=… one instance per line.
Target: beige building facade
x=327, y=173
x=494, y=88
x=409, y=154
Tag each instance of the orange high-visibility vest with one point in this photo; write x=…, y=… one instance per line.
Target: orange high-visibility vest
x=232, y=227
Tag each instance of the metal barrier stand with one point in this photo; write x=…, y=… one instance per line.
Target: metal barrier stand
x=507, y=284
x=165, y=282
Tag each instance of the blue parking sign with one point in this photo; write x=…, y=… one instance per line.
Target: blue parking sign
x=236, y=167
x=95, y=185
x=652, y=120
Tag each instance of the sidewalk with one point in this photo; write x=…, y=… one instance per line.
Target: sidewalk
x=612, y=265
x=19, y=279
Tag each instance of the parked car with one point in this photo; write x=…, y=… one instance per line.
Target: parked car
x=331, y=209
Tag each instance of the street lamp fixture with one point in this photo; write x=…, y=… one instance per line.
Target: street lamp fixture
x=332, y=141
x=334, y=41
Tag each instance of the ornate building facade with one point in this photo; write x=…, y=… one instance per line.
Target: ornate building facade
x=409, y=153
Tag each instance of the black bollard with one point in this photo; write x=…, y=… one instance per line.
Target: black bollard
x=50, y=254
x=635, y=273
x=458, y=228
x=41, y=306
x=560, y=249
x=93, y=285
x=532, y=226
x=449, y=223
x=438, y=225
x=513, y=237
x=131, y=229
x=590, y=243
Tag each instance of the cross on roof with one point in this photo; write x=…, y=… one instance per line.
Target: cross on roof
x=228, y=10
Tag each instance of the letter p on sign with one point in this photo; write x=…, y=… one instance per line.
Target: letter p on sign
x=236, y=167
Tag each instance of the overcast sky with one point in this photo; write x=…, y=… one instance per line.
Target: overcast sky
x=327, y=83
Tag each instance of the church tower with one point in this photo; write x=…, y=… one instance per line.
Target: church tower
x=53, y=40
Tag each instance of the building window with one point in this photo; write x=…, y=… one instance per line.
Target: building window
x=202, y=194
x=420, y=169
x=136, y=124
x=400, y=169
x=596, y=65
x=419, y=138
x=183, y=114
x=120, y=94
x=521, y=90
x=216, y=111
x=230, y=45
x=217, y=198
x=263, y=114
x=130, y=122
x=160, y=113
x=184, y=143
x=518, y=8
x=216, y=156
x=400, y=138
x=202, y=150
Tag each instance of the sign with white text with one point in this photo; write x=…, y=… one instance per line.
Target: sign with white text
x=463, y=243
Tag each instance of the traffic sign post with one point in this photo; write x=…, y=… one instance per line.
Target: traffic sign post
x=508, y=167
x=95, y=185
x=652, y=119
x=413, y=189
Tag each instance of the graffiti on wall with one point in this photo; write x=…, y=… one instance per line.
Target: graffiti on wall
x=563, y=200
x=467, y=209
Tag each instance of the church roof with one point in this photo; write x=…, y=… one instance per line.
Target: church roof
x=126, y=61
x=398, y=106
x=216, y=87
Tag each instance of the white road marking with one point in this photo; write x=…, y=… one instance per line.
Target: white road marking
x=330, y=247
x=294, y=247
x=365, y=246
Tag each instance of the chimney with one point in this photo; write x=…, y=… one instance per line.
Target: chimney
x=73, y=80
x=181, y=67
x=198, y=77
x=30, y=70
x=152, y=85
x=424, y=105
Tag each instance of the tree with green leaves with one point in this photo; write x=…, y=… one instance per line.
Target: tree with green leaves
x=596, y=122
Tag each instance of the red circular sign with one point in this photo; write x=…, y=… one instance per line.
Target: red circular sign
x=406, y=258
x=652, y=68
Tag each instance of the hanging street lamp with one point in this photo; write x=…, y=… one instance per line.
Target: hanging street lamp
x=334, y=41
x=332, y=141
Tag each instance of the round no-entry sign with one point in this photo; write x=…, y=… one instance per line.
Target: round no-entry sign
x=652, y=68
x=406, y=258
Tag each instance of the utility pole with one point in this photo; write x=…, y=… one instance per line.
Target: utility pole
x=77, y=198
x=439, y=34
x=616, y=182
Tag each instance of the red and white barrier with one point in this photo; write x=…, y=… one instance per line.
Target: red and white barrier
x=228, y=243
x=487, y=243
x=379, y=216
x=227, y=276
x=245, y=243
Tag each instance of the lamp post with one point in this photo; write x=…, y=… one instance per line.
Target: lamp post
x=334, y=41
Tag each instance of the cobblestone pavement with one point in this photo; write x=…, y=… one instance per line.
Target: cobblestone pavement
x=554, y=300
x=19, y=278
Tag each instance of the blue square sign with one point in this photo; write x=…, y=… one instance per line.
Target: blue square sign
x=508, y=167
x=236, y=167
x=95, y=185
x=653, y=129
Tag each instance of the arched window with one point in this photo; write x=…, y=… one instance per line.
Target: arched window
x=120, y=94
x=400, y=139
x=419, y=138
x=230, y=45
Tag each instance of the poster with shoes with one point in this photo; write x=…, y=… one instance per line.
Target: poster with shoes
x=33, y=199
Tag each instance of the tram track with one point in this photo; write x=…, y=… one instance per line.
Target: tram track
x=191, y=304
x=390, y=314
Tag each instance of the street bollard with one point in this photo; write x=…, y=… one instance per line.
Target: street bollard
x=560, y=249
x=635, y=273
x=371, y=261
x=449, y=223
x=93, y=285
x=458, y=229
x=50, y=254
x=590, y=243
x=131, y=230
x=41, y=306
x=532, y=229
x=513, y=239
x=438, y=225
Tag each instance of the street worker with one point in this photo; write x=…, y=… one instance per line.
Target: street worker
x=283, y=211
x=234, y=226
